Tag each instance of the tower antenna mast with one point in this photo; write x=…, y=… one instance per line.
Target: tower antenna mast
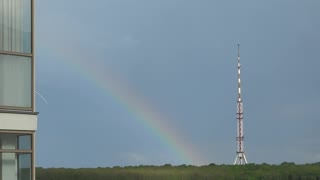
x=240, y=157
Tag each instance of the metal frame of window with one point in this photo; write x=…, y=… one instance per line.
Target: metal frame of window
x=24, y=151
x=31, y=55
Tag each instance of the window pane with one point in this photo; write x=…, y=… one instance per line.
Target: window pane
x=24, y=167
x=24, y=142
x=8, y=166
x=15, y=81
x=15, y=141
x=15, y=166
x=8, y=141
x=15, y=25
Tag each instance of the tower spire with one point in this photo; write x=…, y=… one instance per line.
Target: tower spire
x=240, y=157
x=239, y=81
x=238, y=52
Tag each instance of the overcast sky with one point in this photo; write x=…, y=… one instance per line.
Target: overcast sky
x=178, y=58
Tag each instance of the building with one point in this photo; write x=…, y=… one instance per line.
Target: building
x=18, y=118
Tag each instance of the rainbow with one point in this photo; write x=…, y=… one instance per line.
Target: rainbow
x=132, y=102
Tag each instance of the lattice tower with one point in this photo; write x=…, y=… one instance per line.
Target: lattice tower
x=240, y=157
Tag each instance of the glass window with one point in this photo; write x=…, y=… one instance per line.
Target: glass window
x=16, y=156
x=8, y=166
x=14, y=166
x=8, y=141
x=15, y=141
x=15, y=81
x=15, y=26
x=24, y=142
x=24, y=166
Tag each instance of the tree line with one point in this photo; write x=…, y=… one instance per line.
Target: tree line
x=285, y=170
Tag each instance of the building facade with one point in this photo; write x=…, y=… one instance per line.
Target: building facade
x=18, y=118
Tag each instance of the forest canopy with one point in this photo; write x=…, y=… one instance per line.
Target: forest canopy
x=285, y=170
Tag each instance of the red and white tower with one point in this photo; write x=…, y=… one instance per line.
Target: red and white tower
x=240, y=157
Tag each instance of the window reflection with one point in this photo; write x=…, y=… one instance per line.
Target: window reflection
x=15, y=166
x=15, y=81
x=15, y=141
x=15, y=26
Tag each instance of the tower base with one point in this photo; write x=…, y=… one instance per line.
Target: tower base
x=240, y=159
